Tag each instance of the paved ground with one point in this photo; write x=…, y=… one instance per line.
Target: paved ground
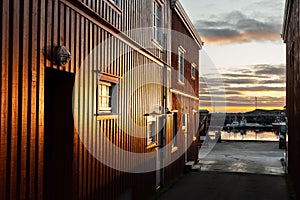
x=235, y=171
x=231, y=186
x=248, y=157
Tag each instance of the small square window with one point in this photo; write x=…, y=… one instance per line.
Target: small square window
x=104, y=97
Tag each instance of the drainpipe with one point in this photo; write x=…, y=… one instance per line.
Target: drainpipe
x=164, y=121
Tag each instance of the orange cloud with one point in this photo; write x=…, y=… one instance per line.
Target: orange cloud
x=242, y=85
x=235, y=27
x=243, y=37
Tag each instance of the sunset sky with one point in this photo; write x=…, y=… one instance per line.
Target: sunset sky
x=243, y=56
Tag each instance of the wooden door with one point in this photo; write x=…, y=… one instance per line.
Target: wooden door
x=59, y=130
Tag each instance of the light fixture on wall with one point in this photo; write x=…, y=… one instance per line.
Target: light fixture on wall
x=63, y=56
x=168, y=112
x=154, y=114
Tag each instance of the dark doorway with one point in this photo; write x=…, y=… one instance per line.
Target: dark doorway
x=59, y=130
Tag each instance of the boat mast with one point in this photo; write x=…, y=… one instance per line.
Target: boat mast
x=256, y=102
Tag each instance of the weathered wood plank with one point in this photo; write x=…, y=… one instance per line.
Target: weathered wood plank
x=72, y=42
x=49, y=32
x=74, y=63
x=41, y=82
x=14, y=98
x=80, y=96
x=88, y=100
x=84, y=107
x=55, y=40
x=93, y=108
x=34, y=85
x=25, y=102
x=4, y=97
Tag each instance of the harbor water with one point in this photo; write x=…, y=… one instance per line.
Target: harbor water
x=250, y=135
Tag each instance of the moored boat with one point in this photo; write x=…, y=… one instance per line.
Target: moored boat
x=277, y=125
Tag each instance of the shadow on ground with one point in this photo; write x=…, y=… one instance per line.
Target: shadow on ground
x=235, y=171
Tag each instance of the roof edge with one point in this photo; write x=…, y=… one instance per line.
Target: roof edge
x=176, y=5
x=287, y=13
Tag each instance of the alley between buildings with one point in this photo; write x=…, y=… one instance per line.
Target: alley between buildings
x=235, y=170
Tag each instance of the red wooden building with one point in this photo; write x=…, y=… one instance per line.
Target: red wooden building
x=291, y=36
x=67, y=125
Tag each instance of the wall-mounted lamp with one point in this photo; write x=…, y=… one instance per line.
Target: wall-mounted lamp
x=168, y=112
x=154, y=114
x=63, y=56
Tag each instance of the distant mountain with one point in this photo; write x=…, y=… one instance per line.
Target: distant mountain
x=263, y=112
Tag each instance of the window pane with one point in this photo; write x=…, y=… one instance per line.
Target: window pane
x=181, y=67
x=107, y=92
x=103, y=93
x=193, y=72
x=116, y=2
x=151, y=132
x=104, y=102
x=104, y=97
x=157, y=21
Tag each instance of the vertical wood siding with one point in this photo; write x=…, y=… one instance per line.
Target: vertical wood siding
x=89, y=167
x=134, y=17
x=22, y=68
x=191, y=55
x=293, y=88
x=183, y=104
x=31, y=31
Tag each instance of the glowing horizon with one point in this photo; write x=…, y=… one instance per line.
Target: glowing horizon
x=244, y=48
x=237, y=109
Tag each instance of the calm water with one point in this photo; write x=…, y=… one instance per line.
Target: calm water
x=249, y=135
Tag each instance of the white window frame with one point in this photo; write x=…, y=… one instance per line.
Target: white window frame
x=152, y=131
x=157, y=11
x=104, y=108
x=181, y=61
x=193, y=69
x=184, y=122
